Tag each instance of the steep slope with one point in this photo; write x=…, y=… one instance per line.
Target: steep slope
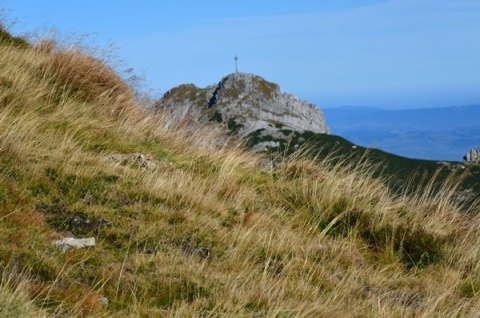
x=184, y=228
x=244, y=103
x=398, y=172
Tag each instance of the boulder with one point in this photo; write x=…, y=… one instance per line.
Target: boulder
x=67, y=243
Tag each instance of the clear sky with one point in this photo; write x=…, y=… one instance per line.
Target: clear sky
x=380, y=53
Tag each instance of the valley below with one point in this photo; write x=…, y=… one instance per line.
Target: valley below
x=431, y=134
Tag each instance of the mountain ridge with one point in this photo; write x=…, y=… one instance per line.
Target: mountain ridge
x=233, y=102
x=244, y=103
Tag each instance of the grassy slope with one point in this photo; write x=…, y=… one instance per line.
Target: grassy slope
x=400, y=172
x=209, y=232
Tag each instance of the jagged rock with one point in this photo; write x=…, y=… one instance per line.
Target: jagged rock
x=67, y=243
x=244, y=104
x=473, y=156
x=261, y=146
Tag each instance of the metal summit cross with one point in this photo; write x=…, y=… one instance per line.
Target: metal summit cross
x=236, y=64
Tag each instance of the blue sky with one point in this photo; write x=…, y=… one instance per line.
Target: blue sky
x=390, y=53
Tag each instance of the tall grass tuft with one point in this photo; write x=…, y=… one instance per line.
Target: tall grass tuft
x=88, y=79
x=15, y=300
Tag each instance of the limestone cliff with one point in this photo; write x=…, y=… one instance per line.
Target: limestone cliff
x=245, y=104
x=472, y=156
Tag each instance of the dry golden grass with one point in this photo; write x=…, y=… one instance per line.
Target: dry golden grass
x=89, y=78
x=209, y=232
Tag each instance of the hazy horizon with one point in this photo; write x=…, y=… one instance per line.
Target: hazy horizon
x=386, y=107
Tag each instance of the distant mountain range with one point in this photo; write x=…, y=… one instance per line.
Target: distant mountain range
x=429, y=133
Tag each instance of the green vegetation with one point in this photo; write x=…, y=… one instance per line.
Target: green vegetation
x=209, y=232
x=402, y=174
x=233, y=126
x=217, y=117
x=184, y=92
x=266, y=88
x=7, y=39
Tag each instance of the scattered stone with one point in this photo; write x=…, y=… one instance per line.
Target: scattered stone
x=59, y=217
x=82, y=221
x=67, y=243
x=140, y=159
x=452, y=166
x=266, y=145
x=103, y=301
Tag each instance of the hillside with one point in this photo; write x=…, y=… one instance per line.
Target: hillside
x=246, y=107
x=400, y=174
x=184, y=228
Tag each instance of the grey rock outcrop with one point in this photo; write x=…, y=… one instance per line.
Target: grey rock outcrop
x=473, y=156
x=244, y=103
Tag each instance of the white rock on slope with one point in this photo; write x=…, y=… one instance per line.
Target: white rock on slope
x=67, y=243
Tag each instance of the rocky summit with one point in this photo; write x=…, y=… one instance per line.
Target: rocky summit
x=472, y=156
x=246, y=105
